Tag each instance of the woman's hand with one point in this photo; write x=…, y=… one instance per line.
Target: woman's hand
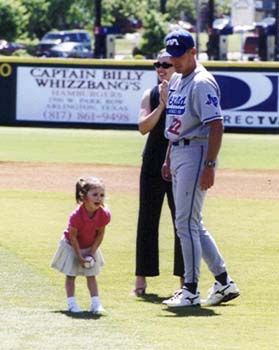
x=164, y=91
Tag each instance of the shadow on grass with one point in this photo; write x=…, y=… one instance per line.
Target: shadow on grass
x=194, y=311
x=151, y=298
x=86, y=315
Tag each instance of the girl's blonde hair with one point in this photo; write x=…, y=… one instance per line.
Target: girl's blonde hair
x=85, y=184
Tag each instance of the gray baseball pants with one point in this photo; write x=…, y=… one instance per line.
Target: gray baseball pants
x=196, y=242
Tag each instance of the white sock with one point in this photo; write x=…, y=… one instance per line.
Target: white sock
x=71, y=301
x=95, y=301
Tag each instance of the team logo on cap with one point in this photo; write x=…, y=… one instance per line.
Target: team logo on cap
x=172, y=42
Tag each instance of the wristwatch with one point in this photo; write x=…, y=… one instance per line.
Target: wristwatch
x=209, y=163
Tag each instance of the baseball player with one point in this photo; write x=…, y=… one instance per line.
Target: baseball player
x=194, y=127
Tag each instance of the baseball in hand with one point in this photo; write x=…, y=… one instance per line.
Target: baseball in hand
x=90, y=261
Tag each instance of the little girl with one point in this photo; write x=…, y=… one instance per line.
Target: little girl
x=82, y=238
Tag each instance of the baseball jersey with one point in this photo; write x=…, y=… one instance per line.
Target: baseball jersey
x=87, y=227
x=193, y=101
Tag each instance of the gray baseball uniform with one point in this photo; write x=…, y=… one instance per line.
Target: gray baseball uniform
x=193, y=101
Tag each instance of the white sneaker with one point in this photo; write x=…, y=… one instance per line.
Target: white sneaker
x=221, y=294
x=183, y=297
x=98, y=310
x=74, y=309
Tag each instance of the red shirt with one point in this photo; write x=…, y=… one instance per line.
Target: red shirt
x=87, y=227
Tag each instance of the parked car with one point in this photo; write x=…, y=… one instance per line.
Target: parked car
x=251, y=47
x=70, y=50
x=267, y=21
x=51, y=39
x=7, y=48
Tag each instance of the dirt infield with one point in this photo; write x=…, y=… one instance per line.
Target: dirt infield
x=61, y=177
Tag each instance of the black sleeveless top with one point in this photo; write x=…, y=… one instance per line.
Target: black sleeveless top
x=156, y=145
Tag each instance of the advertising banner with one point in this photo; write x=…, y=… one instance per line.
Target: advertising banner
x=81, y=95
x=249, y=99
x=108, y=93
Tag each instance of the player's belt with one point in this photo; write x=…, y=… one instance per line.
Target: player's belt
x=183, y=142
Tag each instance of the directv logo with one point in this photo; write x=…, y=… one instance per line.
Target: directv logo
x=253, y=91
x=249, y=99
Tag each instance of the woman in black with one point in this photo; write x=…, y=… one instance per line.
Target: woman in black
x=152, y=186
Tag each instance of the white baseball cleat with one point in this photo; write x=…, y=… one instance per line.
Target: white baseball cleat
x=182, y=298
x=221, y=294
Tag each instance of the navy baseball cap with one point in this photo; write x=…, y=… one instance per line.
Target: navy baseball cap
x=178, y=42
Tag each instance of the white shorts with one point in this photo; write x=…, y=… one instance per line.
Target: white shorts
x=65, y=260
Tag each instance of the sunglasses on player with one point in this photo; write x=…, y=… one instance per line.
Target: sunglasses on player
x=164, y=65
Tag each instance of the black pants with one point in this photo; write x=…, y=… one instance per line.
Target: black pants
x=152, y=192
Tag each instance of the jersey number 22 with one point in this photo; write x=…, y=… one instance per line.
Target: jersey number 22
x=175, y=126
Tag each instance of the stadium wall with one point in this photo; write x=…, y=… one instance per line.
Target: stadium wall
x=107, y=93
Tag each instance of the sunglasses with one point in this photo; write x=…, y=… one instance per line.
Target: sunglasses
x=164, y=65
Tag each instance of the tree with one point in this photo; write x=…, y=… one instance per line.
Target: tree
x=223, y=8
x=81, y=14
x=45, y=15
x=154, y=33
x=181, y=10
x=58, y=12
x=38, y=20
x=12, y=20
x=120, y=13
x=36, y=17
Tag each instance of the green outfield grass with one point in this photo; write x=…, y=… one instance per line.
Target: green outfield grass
x=33, y=309
x=70, y=146
x=240, y=151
